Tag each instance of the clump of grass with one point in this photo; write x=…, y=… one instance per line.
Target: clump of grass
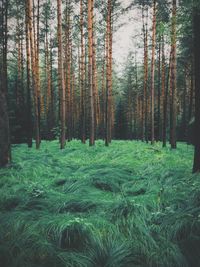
x=122, y=209
x=105, y=185
x=70, y=234
x=135, y=188
x=73, y=186
x=109, y=252
x=80, y=206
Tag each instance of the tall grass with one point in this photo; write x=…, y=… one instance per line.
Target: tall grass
x=127, y=205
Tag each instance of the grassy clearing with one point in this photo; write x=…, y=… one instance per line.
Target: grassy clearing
x=126, y=205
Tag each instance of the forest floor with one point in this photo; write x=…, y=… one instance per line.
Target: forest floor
x=129, y=204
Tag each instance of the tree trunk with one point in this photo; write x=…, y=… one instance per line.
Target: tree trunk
x=153, y=73
x=61, y=75
x=108, y=116
x=82, y=75
x=68, y=67
x=191, y=93
x=5, y=152
x=173, y=79
x=159, y=125
x=28, y=73
x=165, y=102
x=34, y=71
x=144, y=133
x=90, y=72
x=196, y=23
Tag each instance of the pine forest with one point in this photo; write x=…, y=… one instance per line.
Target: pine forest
x=100, y=133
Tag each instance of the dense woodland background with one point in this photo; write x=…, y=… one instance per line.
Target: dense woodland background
x=59, y=77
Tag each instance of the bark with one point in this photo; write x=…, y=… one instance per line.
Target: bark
x=196, y=23
x=108, y=116
x=153, y=73
x=5, y=150
x=61, y=75
x=90, y=71
x=159, y=125
x=191, y=94
x=163, y=100
x=103, y=94
x=68, y=71
x=82, y=76
x=28, y=85
x=34, y=71
x=173, y=80
x=144, y=133
x=165, y=104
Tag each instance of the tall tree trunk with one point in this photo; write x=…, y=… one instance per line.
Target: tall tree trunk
x=37, y=41
x=108, y=116
x=153, y=73
x=144, y=113
x=82, y=75
x=28, y=73
x=68, y=50
x=159, y=125
x=165, y=102
x=191, y=93
x=5, y=151
x=184, y=114
x=34, y=71
x=196, y=23
x=61, y=75
x=144, y=118
x=173, y=78
x=90, y=72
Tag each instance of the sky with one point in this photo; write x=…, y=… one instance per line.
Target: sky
x=128, y=37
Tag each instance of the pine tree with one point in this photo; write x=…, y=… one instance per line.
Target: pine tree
x=196, y=23
x=5, y=150
x=173, y=108
x=90, y=71
x=61, y=75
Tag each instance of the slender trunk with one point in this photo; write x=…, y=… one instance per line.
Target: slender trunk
x=184, y=115
x=5, y=150
x=103, y=91
x=82, y=73
x=28, y=73
x=37, y=41
x=108, y=75
x=90, y=72
x=153, y=73
x=191, y=97
x=163, y=95
x=165, y=104
x=145, y=104
x=61, y=74
x=34, y=72
x=159, y=125
x=196, y=23
x=173, y=79
x=144, y=113
x=68, y=66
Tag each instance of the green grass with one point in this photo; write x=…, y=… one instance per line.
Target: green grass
x=126, y=205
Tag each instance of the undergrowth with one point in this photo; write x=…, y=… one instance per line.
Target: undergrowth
x=126, y=205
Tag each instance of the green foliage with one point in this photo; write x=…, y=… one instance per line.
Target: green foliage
x=129, y=204
x=109, y=252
